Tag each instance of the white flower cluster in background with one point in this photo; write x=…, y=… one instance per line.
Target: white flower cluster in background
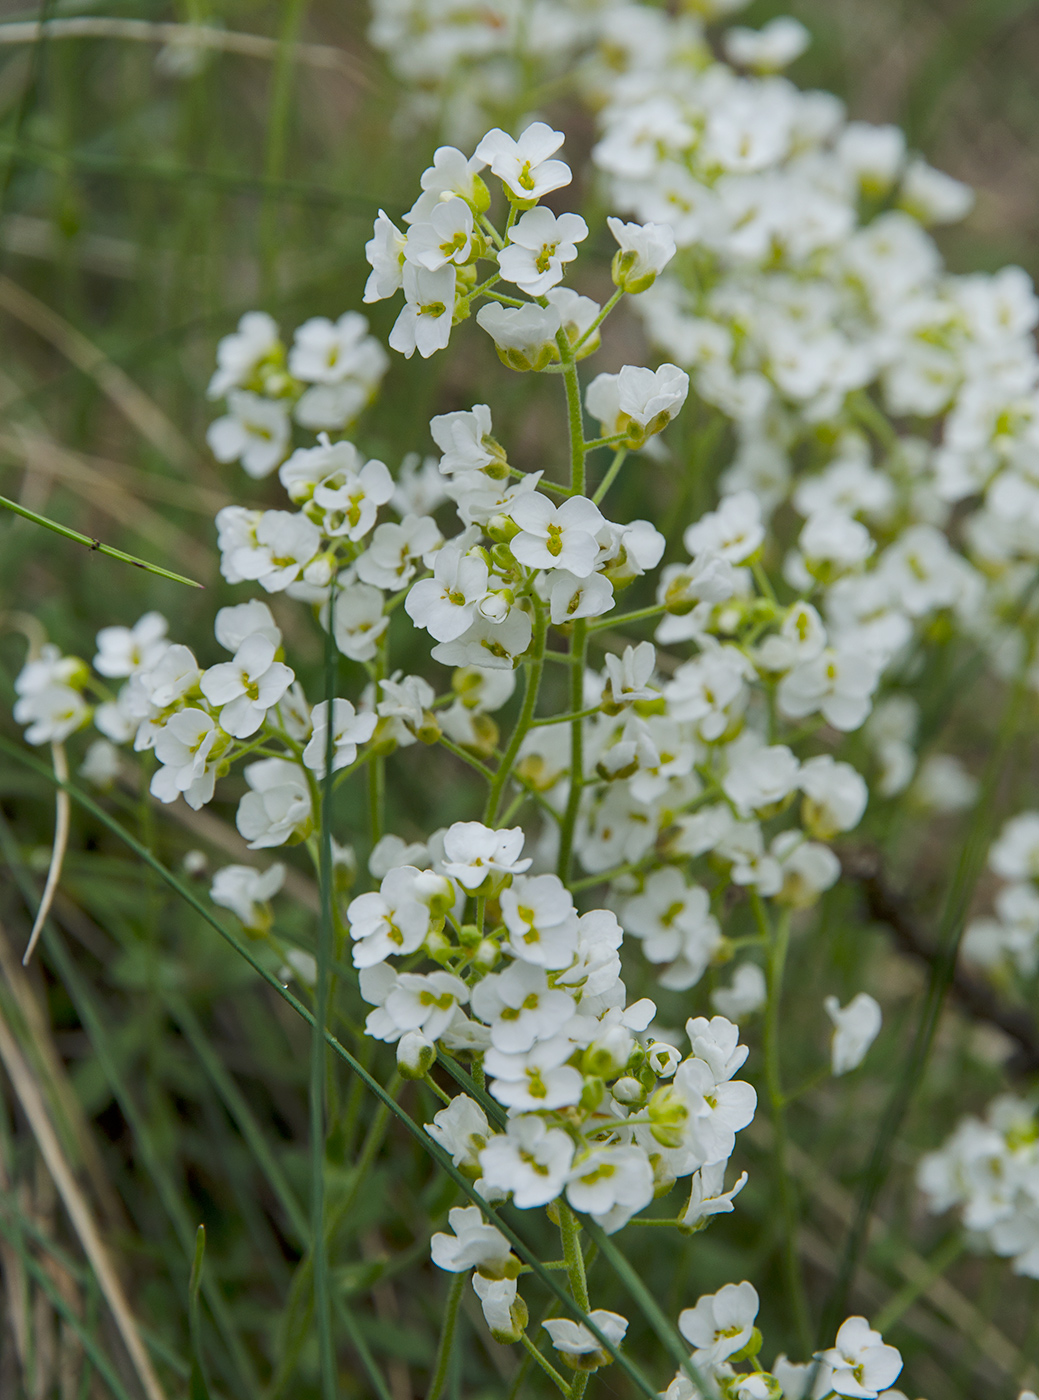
x=329, y=375
x=989, y=1171
x=1009, y=938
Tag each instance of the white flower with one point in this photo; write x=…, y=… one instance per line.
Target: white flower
x=835, y=796
x=445, y=605
x=473, y=1245
x=734, y=530
x=537, y=1078
x=390, y=561
x=472, y=852
x=707, y=1194
x=721, y=1324
x=644, y=250
x=396, y=918
x=862, y=1365
x=932, y=196
x=385, y=254
x=611, y=1184
x=328, y=352
x=574, y=1339
x=744, y=995
x=462, y=1130
x=856, y=1027
x=637, y=401
x=415, y=1055
x=676, y=926
x=487, y=644
x=768, y=49
x=557, y=537
x=539, y=914
x=629, y=675
x=424, y=1002
x=530, y=1159
x=523, y=165
x=408, y=700
x=425, y=322
x=834, y=541
x=464, y=437
x=505, y=1314
x=839, y=684
x=247, y=687
x=187, y=746
x=350, y=499
x=759, y=776
x=123, y=650
x=1015, y=855
x=235, y=624
x=451, y=174
x=445, y=236
x=246, y=891
x=255, y=432
x=348, y=730
x=358, y=620
x=283, y=545
x=540, y=242
x=525, y=336
x=277, y=807
x=520, y=1007
x=173, y=677
x=391, y=850
x=239, y=356
x=52, y=713
x=570, y=597
x=101, y=764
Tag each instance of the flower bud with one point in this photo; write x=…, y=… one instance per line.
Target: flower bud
x=487, y=954
x=592, y=1093
x=628, y=1091
x=501, y=528
x=609, y=1054
x=667, y=1114
x=438, y=945
x=415, y=1055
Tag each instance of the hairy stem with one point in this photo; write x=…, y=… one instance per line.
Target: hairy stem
x=447, y=1336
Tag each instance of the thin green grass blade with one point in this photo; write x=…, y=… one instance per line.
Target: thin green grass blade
x=95, y=545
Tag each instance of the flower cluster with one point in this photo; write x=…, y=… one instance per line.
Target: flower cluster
x=989, y=1169
x=330, y=374
x=1010, y=938
x=721, y=1330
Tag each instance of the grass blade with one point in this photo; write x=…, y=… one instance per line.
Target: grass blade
x=93, y=545
x=199, y=1390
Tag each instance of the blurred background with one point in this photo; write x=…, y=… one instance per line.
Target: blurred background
x=151, y=191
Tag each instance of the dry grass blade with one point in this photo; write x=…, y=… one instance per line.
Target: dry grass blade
x=31, y=1100
x=115, y=383
x=61, y=840
x=200, y=36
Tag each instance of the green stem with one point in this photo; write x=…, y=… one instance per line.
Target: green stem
x=578, y=647
x=447, y=1336
x=599, y=319
x=570, y=1234
x=530, y=699
x=611, y=474
x=95, y=545
x=545, y=1364
x=638, y=615
x=574, y=417
x=467, y=758
x=777, y=942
